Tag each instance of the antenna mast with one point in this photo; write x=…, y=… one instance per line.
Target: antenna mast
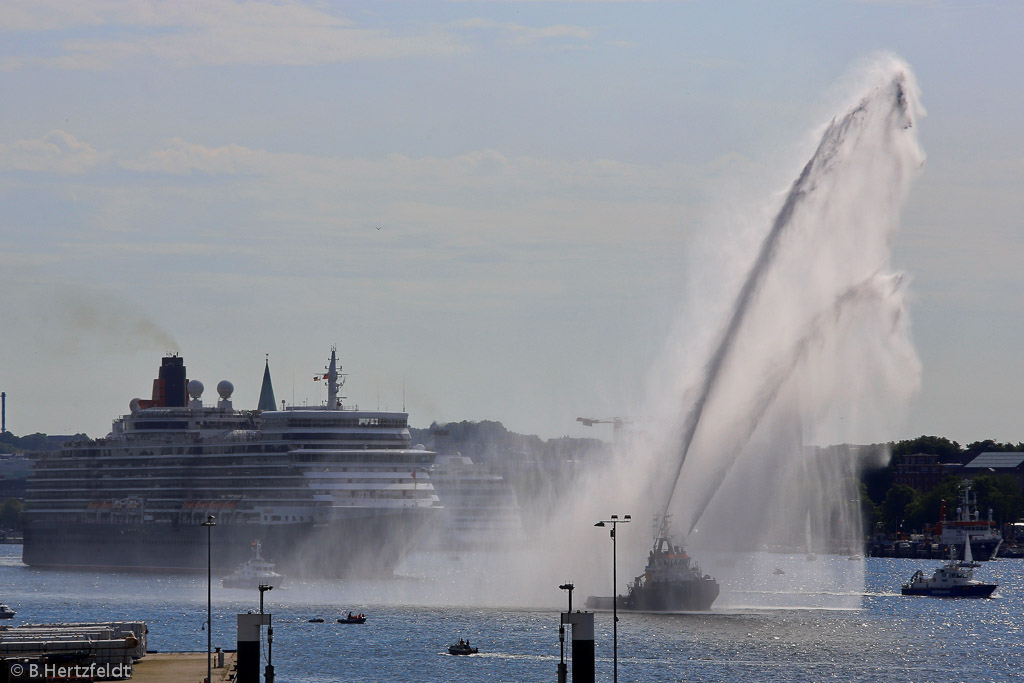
x=335, y=381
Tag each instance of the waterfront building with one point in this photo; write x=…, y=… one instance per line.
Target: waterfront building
x=923, y=471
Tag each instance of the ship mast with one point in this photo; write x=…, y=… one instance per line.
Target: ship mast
x=333, y=383
x=661, y=528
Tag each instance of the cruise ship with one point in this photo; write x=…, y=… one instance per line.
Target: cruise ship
x=481, y=511
x=328, y=491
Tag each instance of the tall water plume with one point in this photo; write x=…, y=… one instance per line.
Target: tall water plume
x=798, y=339
x=813, y=350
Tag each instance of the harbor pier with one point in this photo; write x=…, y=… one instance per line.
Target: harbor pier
x=102, y=651
x=181, y=667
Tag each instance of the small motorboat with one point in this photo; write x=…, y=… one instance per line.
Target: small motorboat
x=353, y=619
x=954, y=579
x=462, y=648
x=316, y=620
x=778, y=572
x=6, y=612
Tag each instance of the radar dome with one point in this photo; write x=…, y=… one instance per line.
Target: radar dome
x=225, y=389
x=195, y=388
x=133, y=405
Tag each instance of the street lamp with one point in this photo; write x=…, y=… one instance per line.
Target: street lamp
x=615, y=521
x=210, y=522
x=269, y=671
x=562, y=671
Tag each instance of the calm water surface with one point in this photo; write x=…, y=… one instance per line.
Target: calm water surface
x=888, y=638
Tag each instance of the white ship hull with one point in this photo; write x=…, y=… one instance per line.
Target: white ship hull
x=328, y=491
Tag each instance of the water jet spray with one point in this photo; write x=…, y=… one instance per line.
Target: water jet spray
x=863, y=142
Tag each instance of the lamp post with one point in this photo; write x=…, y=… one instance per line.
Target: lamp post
x=269, y=671
x=615, y=521
x=562, y=670
x=210, y=522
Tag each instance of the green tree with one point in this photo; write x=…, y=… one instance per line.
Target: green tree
x=1002, y=494
x=877, y=471
x=893, y=509
x=869, y=513
x=926, y=510
x=948, y=451
x=973, y=450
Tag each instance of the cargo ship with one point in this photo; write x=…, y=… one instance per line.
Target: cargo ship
x=328, y=491
x=481, y=511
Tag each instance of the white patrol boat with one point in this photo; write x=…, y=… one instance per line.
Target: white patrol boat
x=955, y=579
x=254, y=572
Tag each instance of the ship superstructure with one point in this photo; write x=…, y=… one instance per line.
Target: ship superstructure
x=328, y=490
x=672, y=580
x=480, y=508
x=967, y=523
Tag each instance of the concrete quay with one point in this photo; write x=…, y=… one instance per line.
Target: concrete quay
x=155, y=667
x=100, y=652
x=181, y=667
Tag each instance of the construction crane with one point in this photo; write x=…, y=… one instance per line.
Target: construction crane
x=616, y=423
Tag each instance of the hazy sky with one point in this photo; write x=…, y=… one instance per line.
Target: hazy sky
x=490, y=207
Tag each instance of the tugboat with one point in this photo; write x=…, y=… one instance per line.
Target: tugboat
x=671, y=582
x=462, y=648
x=253, y=572
x=955, y=579
x=6, y=612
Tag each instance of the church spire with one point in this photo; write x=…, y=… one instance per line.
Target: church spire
x=267, y=401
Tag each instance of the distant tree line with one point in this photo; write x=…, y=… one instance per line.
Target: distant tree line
x=9, y=443
x=895, y=507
